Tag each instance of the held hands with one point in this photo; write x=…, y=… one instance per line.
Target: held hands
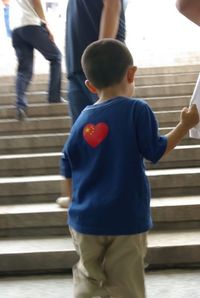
x=189, y=116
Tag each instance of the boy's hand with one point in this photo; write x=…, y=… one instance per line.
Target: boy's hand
x=189, y=116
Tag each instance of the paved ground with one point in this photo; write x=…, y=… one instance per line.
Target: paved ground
x=159, y=284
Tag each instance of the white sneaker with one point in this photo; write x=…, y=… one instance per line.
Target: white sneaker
x=63, y=202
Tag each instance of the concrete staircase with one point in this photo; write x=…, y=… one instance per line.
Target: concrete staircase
x=34, y=237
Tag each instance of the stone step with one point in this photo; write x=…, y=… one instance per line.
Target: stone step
x=52, y=142
x=174, y=182
x=174, y=69
x=168, y=103
x=49, y=142
x=176, y=212
x=32, y=219
x=142, y=71
x=140, y=91
x=62, y=123
x=174, y=248
x=164, y=90
x=30, y=164
x=46, y=188
x=165, y=104
x=42, y=85
x=36, y=110
x=56, y=253
x=35, y=254
x=168, y=118
x=56, y=124
x=166, y=79
x=8, y=113
x=31, y=189
x=50, y=219
x=181, y=157
x=141, y=80
x=48, y=163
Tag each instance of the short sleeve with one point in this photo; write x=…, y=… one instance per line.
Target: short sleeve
x=151, y=145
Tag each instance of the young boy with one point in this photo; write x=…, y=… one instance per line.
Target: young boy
x=102, y=161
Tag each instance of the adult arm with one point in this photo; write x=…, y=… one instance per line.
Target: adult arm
x=110, y=17
x=37, y=5
x=190, y=9
x=67, y=185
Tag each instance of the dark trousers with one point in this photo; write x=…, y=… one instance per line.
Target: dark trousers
x=78, y=95
x=25, y=40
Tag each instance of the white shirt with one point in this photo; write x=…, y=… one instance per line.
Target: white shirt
x=195, y=131
x=22, y=14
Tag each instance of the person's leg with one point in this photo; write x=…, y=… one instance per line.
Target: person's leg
x=88, y=274
x=39, y=39
x=24, y=53
x=124, y=266
x=78, y=95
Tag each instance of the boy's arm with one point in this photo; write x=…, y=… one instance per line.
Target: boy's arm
x=190, y=9
x=40, y=12
x=110, y=16
x=189, y=118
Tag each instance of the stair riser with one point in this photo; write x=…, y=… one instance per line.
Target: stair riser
x=168, y=119
x=175, y=185
x=30, y=188
x=168, y=90
x=161, y=185
x=146, y=80
x=37, y=86
x=32, y=98
x=32, y=224
x=172, y=257
x=37, y=262
x=40, y=125
x=166, y=79
x=37, y=111
x=142, y=92
x=32, y=143
x=168, y=103
x=59, y=261
x=48, y=165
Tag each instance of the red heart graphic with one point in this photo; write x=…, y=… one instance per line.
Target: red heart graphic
x=95, y=134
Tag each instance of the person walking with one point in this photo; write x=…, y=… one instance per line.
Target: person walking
x=88, y=21
x=94, y=20
x=30, y=31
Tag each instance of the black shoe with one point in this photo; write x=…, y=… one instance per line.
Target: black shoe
x=21, y=114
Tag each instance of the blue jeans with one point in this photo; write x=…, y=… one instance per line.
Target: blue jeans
x=78, y=95
x=25, y=40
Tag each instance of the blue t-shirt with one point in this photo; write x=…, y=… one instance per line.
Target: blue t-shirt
x=104, y=157
x=82, y=28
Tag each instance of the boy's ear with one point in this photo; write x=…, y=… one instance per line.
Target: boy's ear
x=131, y=74
x=90, y=87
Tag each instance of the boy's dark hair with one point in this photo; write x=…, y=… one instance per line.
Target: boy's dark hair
x=105, y=62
